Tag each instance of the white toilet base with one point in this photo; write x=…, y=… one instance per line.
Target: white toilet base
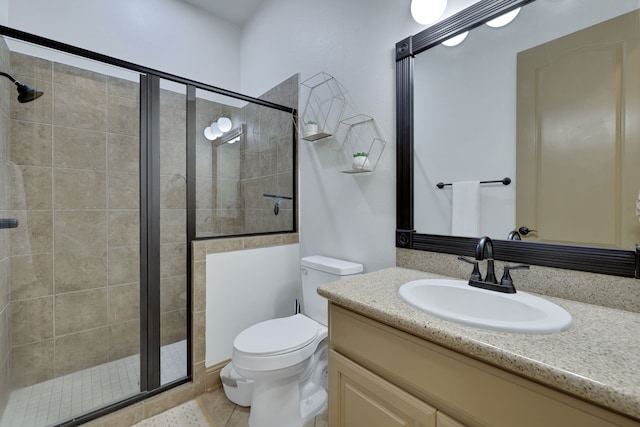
x=288, y=402
x=279, y=405
x=313, y=405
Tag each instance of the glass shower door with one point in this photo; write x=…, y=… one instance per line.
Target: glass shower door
x=70, y=270
x=173, y=232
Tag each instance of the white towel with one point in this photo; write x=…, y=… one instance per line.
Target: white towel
x=465, y=212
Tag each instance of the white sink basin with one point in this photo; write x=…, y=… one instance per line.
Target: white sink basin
x=456, y=301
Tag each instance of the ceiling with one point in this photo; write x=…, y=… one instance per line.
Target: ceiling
x=234, y=11
x=240, y=11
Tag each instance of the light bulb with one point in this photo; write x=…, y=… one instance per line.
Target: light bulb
x=455, y=41
x=215, y=131
x=224, y=124
x=503, y=20
x=427, y=11
x=208, y=134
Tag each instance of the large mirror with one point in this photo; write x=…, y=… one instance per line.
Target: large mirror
x=516, y=102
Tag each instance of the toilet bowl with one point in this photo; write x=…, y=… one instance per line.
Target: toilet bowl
x=237, y=388
x=287, y=357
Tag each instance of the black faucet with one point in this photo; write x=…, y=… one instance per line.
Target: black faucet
x=484, y=249
x=514, y=235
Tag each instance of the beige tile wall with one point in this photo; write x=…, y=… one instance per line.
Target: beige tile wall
x=77, y=247
x=218, y=193
x=5, y=259
x=232, y=178
x=267, y=160
x=173, y=216
x=75, y=189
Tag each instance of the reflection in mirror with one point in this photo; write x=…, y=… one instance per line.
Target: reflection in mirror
x=471, y=106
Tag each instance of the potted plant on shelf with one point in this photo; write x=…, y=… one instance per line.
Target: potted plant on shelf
x=310, y=128
x=360, y=161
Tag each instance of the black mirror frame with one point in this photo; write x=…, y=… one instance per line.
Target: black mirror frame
x=617, y=262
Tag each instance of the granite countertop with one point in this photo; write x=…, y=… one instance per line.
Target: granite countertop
x=597, y=358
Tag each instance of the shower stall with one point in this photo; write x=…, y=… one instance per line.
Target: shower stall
x=105, y=179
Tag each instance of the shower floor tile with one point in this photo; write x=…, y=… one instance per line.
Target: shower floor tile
x=54, y=400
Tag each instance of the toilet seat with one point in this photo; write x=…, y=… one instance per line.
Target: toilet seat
x=277, y=336
x=277, y=343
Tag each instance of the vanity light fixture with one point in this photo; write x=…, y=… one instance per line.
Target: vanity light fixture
x=217, y=128
x=456, y=40
x=503, y=20
x=427, y=11
x=232, y=136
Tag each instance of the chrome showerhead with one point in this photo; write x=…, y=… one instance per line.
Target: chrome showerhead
x=25, y=93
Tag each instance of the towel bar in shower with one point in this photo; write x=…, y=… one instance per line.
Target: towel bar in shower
x=505, y=181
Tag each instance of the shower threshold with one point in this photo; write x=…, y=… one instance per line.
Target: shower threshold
x=54, y=400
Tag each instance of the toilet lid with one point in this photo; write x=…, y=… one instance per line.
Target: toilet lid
x=276, y=336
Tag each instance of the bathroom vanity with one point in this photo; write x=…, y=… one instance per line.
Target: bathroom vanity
x=391, y=364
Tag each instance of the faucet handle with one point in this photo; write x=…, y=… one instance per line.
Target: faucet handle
x=506, y=277
x=475, y=274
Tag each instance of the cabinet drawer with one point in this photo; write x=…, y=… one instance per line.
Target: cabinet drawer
x=471, y=391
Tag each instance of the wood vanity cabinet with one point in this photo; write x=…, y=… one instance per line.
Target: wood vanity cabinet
x=380, y=376
x=366, y=400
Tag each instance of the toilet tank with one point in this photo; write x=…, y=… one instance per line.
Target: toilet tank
x=317, y=270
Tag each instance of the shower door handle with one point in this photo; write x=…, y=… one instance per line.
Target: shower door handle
x=8, y=223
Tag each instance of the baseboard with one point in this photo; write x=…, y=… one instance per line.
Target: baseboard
x=213, y=380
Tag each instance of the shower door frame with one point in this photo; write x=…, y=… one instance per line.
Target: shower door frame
x=150, y=236
x=149, y=175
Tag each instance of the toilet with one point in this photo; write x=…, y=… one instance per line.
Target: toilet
x=286, y=358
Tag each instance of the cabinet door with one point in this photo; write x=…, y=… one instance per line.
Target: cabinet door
x=359, y=398
x=444, y=420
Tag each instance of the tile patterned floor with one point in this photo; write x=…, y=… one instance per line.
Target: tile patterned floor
x=54, y=400
x=57, y=399
x=225, y=413
x=188, y=414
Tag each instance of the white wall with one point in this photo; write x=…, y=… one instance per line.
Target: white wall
x=4, y=12
x=246, y=287
x=166, y=35
x=341, y=215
